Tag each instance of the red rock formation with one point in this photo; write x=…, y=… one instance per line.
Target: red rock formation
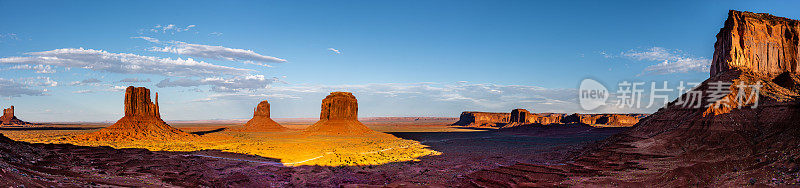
x=339, y=116
x=519, y=117
x=482, y=119
x=142, y=121
x=8, y=118
x=604, y=120
x=681, y=146
x=757, y=43
x=261, y=122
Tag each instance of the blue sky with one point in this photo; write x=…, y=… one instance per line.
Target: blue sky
x=66, y=60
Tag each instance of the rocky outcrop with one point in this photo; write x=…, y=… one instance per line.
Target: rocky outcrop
x=605, y=120
x=142, y=121
x=712, y=146
x=261, y=121
x=482, y=119
x=757, y=43
x=339, y=116
x=519, y=117
x=9, y=118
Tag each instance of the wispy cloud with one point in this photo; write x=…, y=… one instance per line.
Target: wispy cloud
x=335, y=50
x=671, y=61
x=235, y=84
x=215, y=34
x=83, y=91
x=99, y=60
x=25, y=86
x=135, y=80
x=42, y=69
x=88, y=81
x=170, y=28
x=213, y=52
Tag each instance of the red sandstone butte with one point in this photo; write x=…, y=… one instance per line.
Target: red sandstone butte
x=682, y=146
x=261, y=121
x=142, y=121
x=339, y=116
x=8, y=118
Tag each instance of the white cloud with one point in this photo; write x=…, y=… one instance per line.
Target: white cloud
x=235, y=84
x=334, y=50
x=170, y=28
x=25, y=86
x=100, y=60
x=671, y=61
x=213, y=52
x=83, y=91
x=215, y=34
x=135, y=80
x=42, y=69
x=88, y=81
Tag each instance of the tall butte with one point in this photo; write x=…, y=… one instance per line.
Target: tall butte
x=711, y=143
x=261, y=122
x=339, y=116
x=142, y=121
x=9, y=118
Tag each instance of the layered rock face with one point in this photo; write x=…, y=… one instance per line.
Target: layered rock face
x=757, y=43
x=339, y=116
x=618, y=120
x=722, y=146
x=519, y=117
x=482, y=119
x=261, y=122
x=9, y=118
x=142, y=121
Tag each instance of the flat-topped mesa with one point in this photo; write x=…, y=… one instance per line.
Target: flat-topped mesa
x=142, y=121
x=757, y=42
x=261, y=121
x=519, y=117
x=339, y=116
x=482, y=119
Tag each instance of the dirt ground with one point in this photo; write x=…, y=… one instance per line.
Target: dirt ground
x=407, y=152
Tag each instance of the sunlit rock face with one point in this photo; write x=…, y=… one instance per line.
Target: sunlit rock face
x=9, y=118
x=721, y=142
x=519, y=117
x=758, y=43
x=339, y=116
x=261, y=121
x=142, y=121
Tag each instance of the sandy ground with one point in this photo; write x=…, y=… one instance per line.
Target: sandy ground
x=408, y=152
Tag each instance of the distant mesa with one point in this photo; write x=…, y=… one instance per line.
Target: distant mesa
x=261, y=121
x=8, y=118
x=339, y=116
x=519, y=117
x=142, y=121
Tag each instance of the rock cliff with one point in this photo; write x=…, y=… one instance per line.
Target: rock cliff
x=718, y=144
x=339, y=116
x=142, y=121
x=261, y=121
x=519, y=117
x=9, y=118
x=482, y=119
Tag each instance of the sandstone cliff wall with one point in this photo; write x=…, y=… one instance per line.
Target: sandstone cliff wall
x=338, y=116
x=522, y=117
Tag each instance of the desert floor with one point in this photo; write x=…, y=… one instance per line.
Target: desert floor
x=406, y=152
